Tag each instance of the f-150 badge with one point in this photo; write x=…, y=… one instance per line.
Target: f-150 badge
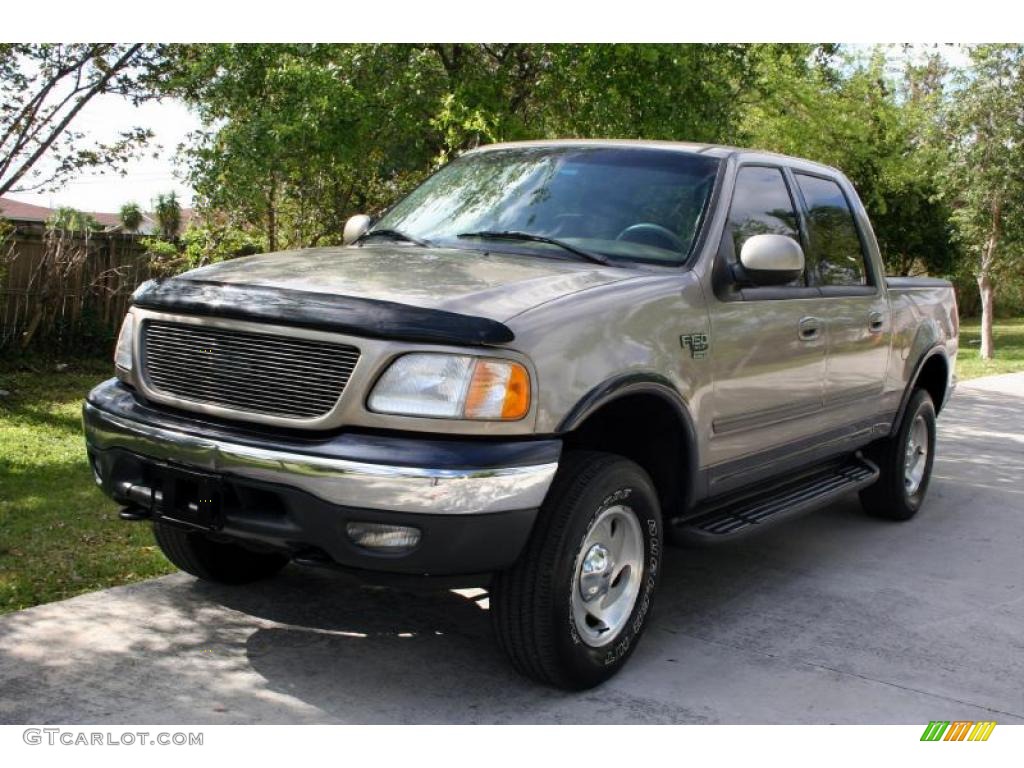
x=697, y=343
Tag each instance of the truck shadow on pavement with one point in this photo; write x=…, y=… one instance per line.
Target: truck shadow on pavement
x=361, y=653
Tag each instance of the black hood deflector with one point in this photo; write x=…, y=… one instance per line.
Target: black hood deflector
x=322, y=311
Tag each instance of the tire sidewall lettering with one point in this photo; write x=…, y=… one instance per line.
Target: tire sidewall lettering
x=649, y=524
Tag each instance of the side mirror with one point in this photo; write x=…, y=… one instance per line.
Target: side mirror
x=770, y=260
x=356, y=227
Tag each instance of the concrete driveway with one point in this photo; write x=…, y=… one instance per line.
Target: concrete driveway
x=832, y=618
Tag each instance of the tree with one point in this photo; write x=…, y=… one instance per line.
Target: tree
x=43, y=89
x=299, y=137
x=985, y=181
x=131, y=217
x=167, y=212
x=72, y=220
x=879, y=128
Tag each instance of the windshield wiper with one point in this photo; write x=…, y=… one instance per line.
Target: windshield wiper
x=394, y=234
x=529, y=237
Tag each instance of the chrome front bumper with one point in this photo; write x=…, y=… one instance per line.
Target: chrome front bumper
x=453, y=485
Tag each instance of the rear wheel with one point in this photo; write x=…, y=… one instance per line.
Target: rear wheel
x=905, y=461
x=570, y=612
x=194, y=552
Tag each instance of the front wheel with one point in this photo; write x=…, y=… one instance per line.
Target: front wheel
x=905, y=461
x=570, y=612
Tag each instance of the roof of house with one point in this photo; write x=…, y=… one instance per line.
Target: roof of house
x=16, y=210
x=108, y=220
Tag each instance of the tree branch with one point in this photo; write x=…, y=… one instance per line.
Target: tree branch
x=47, y=142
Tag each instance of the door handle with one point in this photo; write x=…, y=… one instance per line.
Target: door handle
x=809, y=328
x=876, y=321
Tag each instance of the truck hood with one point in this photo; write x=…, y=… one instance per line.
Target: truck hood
x=495, y=286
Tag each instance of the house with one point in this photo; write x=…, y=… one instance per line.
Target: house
x=29, y=216
x=19, y=213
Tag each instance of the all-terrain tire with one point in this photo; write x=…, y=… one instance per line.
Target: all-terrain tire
x=531, y=602
x=896, y=496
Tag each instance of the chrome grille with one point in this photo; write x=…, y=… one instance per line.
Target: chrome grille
x=255, y=372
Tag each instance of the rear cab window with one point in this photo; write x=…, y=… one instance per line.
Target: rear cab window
x=835, y=256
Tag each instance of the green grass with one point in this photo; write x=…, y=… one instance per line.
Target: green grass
x=59, y=536
x=1009, y=349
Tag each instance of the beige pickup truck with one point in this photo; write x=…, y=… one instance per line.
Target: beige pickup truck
x=531, y=372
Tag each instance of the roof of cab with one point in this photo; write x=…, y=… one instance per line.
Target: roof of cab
x=711, y=150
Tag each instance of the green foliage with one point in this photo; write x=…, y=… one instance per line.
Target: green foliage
x=167, y=212
x=985, y=176
x=73, y=220
x=209, y=244
x=299, y=137
x=131, y=217
x=165, y=258
x=160, y=249
x=879, y=128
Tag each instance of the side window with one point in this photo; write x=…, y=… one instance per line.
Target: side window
x=761, y=206
x=836, y=256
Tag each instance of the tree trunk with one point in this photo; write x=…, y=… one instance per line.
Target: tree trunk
x=272, y=216
x=987, y=341
x=988, y=256
x=271, y=229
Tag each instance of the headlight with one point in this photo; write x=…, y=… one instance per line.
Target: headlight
x=123, y=350
x=453, y=387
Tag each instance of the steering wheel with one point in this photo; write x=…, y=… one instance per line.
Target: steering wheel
x=649, y=233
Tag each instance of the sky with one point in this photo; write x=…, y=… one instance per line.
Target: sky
x=172, y=121
x=169, y=119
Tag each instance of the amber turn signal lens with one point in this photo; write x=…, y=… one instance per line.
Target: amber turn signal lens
x=499, y=389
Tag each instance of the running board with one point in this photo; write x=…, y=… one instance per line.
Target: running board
x=746, y=513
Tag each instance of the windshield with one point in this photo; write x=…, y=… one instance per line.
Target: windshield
x=632, y=203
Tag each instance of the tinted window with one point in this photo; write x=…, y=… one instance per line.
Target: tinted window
x=835, y=254
x=761, y=206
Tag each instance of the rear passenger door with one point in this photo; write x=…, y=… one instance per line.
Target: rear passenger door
x=857, y=308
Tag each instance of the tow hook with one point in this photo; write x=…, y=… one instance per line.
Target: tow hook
x=145, y=499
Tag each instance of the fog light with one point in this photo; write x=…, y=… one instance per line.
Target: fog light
x=381, y=536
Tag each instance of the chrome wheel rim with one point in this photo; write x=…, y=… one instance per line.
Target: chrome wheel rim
x=916, y=455
x=607, y=576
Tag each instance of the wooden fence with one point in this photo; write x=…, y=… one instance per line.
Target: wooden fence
x=64, y=291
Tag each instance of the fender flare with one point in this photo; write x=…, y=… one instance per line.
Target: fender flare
x=625, y=385
x=936, y=349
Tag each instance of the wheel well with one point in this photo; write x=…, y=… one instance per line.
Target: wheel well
x=646, y=429
x=934, y=378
